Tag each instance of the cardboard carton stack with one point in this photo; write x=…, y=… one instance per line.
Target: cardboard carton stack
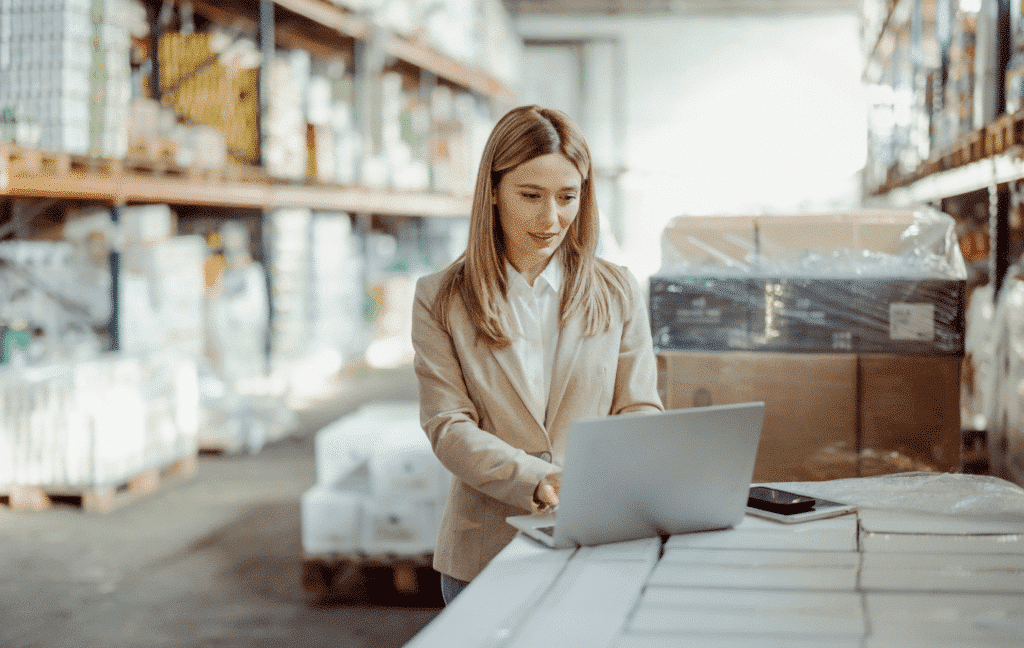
x=849, y=326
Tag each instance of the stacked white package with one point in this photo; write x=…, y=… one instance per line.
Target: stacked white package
x=284, y=144
x=95, y=422
x=338, y=330
x=110, y=74
x=65, y=70
x=378, y=481
x=288, y=241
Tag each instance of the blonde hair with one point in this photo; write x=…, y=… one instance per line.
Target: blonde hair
x=591, y=285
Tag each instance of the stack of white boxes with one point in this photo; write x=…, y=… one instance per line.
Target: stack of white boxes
x=338, y=328
x=110, y=91
x=287, y=240
x=96, y=422
x=380, y=490
x=64, y=74
x=285, y=150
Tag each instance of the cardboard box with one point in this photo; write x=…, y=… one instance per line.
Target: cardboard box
x=910, y=410
x=830, y=416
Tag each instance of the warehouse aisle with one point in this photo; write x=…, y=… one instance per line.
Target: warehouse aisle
x=212, y=560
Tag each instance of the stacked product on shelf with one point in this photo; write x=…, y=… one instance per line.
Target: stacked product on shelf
x=317, y=321
x=65, y=75
x=285, y=153
x=1004, y=400
x=243, y=408
x=50, y=310
x=975, y=384
x=478, y=33
x=902, y=80
x=288, y=241
x=160, y=283
x=959, y=99
x=380, y=490
x=850, y=327
x=211, y=80
x=338, y=329
x=405, y=124
x=1015, y=66
x=460, y=127
x=333, y=141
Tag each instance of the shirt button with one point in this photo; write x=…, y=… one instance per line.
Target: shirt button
x=546, y=456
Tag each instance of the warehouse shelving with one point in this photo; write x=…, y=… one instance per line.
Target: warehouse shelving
x=259, y=191
x=204, y=198
x=981, y=168
x=973, y=169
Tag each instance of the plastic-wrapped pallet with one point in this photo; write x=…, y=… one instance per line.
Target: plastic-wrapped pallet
x=332, y=521
x=96, y=422
x=378, y=481
x=849, y=326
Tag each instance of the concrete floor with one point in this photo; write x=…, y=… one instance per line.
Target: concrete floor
x=211, y=560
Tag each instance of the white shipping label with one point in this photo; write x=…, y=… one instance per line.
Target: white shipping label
x=912, y=322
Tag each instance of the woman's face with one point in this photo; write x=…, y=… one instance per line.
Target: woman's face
x=537, y=202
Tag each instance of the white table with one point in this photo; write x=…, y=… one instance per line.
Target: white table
x=926, y=561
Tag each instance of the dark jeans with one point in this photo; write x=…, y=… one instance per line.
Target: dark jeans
x=450, y=587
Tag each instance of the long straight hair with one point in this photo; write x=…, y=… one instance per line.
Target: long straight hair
x=478, y=276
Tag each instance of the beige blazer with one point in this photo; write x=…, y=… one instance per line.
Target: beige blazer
x=483, y=431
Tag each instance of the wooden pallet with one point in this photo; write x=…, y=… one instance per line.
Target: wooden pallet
x=99, y=499
x=19, y=161
x=326, y=574
x=155, y=158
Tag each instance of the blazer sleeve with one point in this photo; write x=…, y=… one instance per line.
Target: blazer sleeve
x=450, y=419
x=636, y=378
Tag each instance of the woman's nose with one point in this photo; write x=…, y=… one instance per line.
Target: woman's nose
x=549, y=212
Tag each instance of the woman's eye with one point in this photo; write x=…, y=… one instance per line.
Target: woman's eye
x=530, y=196
x=569, y=198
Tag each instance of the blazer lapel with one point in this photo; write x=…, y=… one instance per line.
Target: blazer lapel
x=509, y=363
x=570, y=341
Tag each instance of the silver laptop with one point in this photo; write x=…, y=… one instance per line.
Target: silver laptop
x=642, y=475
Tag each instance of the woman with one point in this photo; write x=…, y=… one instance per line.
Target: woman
x=527, y=331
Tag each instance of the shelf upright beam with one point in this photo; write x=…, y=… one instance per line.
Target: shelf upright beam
x=1003, y=53
x=266, y=36
x=114, y=326
x=156, y=30
x=999, y=235
x=999, y=196
x=266, y=42
x=944, y=36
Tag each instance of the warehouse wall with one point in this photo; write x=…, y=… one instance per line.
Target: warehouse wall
x=724, y=114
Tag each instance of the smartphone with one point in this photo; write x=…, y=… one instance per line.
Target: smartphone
x=789, y=507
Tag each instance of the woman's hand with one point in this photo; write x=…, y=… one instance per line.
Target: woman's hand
x=545, y=497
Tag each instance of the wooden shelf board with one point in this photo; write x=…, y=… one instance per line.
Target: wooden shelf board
x=444, y=66
x=329, y=16
x=133, y=188
x=982, y=174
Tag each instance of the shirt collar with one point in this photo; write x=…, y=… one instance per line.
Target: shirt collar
x=552, y=275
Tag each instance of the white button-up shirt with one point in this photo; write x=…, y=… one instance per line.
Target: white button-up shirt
x=535, y=312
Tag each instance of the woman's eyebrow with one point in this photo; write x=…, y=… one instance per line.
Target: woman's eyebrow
x=540, y=188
